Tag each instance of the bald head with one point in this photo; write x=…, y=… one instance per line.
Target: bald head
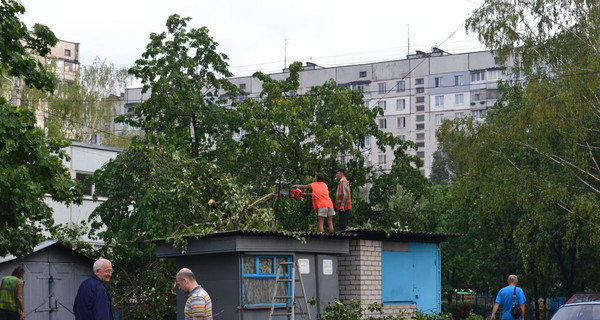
x=187, y=274
x=186, y=280
x=512, y=279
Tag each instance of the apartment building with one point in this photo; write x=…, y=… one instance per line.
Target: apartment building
x=416, y=93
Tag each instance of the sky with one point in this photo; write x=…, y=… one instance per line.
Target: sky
x=264, y=35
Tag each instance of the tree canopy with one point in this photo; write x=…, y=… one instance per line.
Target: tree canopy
x=31, y=166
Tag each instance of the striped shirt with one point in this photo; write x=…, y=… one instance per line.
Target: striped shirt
x=198, y=304
x=343, y=199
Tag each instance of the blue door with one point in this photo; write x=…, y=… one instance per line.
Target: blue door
x=411, y=274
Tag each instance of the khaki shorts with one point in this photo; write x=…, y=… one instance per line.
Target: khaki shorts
x=326, y=212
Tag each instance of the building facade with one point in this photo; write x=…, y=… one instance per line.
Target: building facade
x=85, y=160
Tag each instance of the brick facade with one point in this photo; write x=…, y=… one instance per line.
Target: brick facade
x=360, y=276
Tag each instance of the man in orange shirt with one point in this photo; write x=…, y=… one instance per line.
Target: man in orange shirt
x=321, y=201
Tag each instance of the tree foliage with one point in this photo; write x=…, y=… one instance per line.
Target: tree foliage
x=18, y=45
x=186, y=75
x=527, y=180
x=30, y=165
x=84, y=109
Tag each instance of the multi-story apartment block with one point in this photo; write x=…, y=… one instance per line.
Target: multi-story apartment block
x=64, y=60
x=417, y=94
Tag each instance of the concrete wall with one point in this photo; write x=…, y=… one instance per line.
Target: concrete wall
x=85, y=159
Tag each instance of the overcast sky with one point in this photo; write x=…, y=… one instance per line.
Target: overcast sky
x=253, y=33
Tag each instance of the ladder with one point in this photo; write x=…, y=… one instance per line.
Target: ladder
x=290, y=301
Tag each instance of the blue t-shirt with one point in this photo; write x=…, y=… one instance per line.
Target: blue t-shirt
x=505, y=299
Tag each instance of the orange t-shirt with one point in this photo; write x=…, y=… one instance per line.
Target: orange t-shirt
x=320, y=195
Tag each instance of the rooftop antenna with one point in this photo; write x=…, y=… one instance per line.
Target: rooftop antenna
x=408, y=37
x=285, y=53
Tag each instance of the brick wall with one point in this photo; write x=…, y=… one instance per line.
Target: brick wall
x=360, y=276
x=360, y=272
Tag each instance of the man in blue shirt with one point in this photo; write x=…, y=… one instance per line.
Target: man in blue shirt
x=93, y=302
x=505, y=299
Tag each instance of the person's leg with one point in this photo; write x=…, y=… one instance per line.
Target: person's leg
x=330, y=223
x=343, y=220
x=320, y=224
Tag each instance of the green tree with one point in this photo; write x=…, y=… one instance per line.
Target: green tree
x=19, y=44
x=84, y=109
x=166, y=184
x=186, y=75
x=30, y=165
x=291, y=136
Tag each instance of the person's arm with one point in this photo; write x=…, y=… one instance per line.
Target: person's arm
x=20, y=299
x=301, y=186
x=494, y=310
x=522, y=311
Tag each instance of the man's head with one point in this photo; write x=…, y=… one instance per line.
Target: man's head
x=512, y=280
x=340, y=173
x=319, y=177
x=186, y=280
x=18, y=272
x=103, y=269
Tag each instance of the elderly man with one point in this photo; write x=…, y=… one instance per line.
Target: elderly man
x=198, y=305
x=93, y=302
x=507, y=296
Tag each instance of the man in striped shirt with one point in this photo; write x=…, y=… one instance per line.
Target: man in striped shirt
x=198, y=305
x=343, y=199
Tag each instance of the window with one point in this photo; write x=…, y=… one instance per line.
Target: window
x=421, y=154
x=458, y=80
x=421, y=144
x=242, y=86
x=362, y=74
x=382, y=123
x=381, y=87
x=367, y=141
x=478, y=76
x=420, y=100
x=438, y=82
x=381, y=159
x=400, y=86
x=493, y=75
x=400, y=104
x=493, y=94
x=67, y=52
x=420, y=107
x=420, y=136
x=401, y=122
x=459, y=99
x=459, y=115
x=360, y=87
x=382, y=104
x=420, y=90
x=439, y=101
x=421, y=117
x=420, y=81
x=259, y=277
x=439, y=118
x=402, y=137
x=478, y=114
x=87, y=187
x=420, y=126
